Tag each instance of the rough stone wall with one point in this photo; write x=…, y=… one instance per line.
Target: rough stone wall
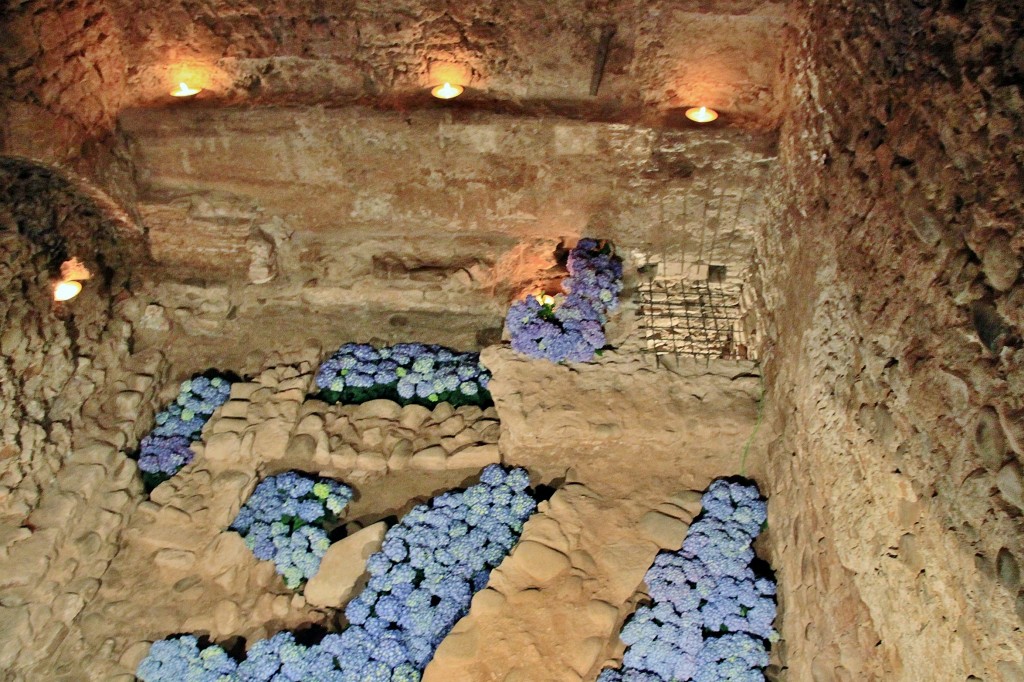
x=313, y=217
x=71, y=396
x=63, y=74
x=68, y=67
x=54, y=354
x=890, y=266
x=723, y=53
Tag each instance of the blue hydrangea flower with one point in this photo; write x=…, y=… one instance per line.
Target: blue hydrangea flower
x=573, y=331
x=398, y=621
x=711, y=615
x=409, y=373
x=165, y=451
x=283, y=521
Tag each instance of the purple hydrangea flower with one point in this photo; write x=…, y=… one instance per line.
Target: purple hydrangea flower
x=572, y=330
x=711, y=615
x=283, y=521
x=165, y=451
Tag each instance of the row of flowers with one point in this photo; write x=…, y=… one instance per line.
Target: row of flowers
x=407, y=373
x=422, y=581
x=287, y=519
x=570, y=326
x=165, y=451
x=712, y=604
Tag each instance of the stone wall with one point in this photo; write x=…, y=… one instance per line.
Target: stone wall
x=73, y=394
x=890, y=267
x=63, y=73
x=325, y=222
x=68, y=67
x=721, y=53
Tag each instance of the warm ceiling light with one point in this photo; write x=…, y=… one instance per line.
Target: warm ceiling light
x=701, y=114
x=185, y=91
x=447, y=91
x=67, y=290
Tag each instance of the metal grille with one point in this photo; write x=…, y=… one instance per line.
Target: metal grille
x=693, y=299
x=681, y=318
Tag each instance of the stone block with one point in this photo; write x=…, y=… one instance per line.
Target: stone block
x=431, y=459
x=26, y=561
x=413, y=416
x=243, y=390
x=235, y=408
x=311, y=424
x=84, y=479
x=55, y=509
x=663, y=530
x=371, y=461
x=540, y=562
x=487, y=602
x=343, y=566
x=175, y=559
x=452, y=425
x=378, y=409
x=301, y=448
x=223, y=447
x=229, y=425
x=272, y=439
x=476, y=457
x=1011, y=484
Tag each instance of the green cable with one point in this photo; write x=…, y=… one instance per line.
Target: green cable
x=757, y=427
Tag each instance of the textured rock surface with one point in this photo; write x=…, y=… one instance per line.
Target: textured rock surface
x=723, y=53
x=600, y=418
x=64, y=76
x=68, y=69
x=894, y=366
x=71, y=394
x=401, y=217
x=552, y=609
x=343, y=567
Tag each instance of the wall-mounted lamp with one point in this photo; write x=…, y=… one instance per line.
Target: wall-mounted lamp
x=185, y=91
x=447, y=91
x=65, y=291
x=72, y=273
x=701, y=114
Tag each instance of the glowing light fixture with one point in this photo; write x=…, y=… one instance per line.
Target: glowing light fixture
x=65, y=291
x=72, y=272
x=701, y=114
x=447, y=91
x=185, y=91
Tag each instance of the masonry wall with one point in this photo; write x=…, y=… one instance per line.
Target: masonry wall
x=890, y=267
x=72, y=395
x=63, y=70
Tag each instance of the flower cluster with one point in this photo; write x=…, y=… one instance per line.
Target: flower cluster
x=421, y=584
x=181, y=658
x=407, y=373
x=570, y=328
x=166, y=449
x=711, y=614
x=428, y=569
x=285, y=521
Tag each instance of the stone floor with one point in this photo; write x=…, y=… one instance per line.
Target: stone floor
x=625, y=445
